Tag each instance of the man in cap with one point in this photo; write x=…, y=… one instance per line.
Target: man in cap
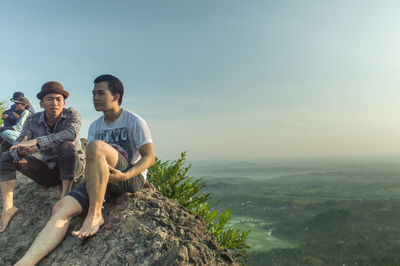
x=10, y=116
x=54, y=133
x=9, y=134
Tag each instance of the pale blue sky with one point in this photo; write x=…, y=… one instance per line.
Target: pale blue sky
x=221, y=79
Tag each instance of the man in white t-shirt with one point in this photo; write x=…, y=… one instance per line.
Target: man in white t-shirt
x=119, y=151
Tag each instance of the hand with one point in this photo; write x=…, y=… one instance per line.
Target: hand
x=116, y=175
x=16, y=146
x=4, y=116
x=26, y=147
x=16, y=115
x=25, y=143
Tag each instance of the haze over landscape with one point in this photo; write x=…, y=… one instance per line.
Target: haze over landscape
x=288, y=109
x=232, y=80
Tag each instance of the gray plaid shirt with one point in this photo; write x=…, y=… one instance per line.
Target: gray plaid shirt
x=66, y=129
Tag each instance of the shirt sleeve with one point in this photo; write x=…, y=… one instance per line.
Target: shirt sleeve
x=20, y=122
x=25, y=132
x=10, y=112
x=70, y=132
x=141, y=133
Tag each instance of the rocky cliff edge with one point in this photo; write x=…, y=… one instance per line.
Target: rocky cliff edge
x=144, y=228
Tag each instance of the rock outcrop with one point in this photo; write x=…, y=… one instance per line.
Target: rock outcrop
x=144, y=228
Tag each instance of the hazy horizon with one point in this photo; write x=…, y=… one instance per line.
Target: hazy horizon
x=223, y=80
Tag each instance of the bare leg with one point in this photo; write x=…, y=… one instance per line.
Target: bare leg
x=9, y=210
x=98, y=156
x=54, y=231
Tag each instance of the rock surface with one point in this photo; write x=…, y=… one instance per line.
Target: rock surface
x=145, y=228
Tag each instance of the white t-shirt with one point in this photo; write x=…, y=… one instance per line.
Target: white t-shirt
x=126, y=134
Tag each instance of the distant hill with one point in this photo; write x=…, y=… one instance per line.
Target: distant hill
x=249, y=170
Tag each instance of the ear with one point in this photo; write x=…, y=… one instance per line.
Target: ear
x=41, y=104
x=116, y=97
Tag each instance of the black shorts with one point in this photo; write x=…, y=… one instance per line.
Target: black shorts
x=113, y=189
x=68, y=167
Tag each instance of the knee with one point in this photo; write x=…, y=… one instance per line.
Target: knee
x=94, y=149
x=66, y=145
x=66, y=149
x=6, y=157
x=5, y=133
x=59, y=207
x=10, y=136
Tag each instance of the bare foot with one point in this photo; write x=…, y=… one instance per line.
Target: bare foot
x=90, y=226
x=6, y=218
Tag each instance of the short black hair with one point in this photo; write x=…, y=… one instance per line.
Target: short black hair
x=114, y=84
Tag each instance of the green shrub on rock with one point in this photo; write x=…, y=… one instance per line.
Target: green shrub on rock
x=171, y=179
x=2, y=109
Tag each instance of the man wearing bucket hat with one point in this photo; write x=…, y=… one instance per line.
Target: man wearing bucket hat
x=9, y=134
x=10, y=116
x=54, y=133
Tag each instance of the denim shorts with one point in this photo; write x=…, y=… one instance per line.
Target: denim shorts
x=113, y=189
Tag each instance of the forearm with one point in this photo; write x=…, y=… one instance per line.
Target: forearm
x=13, y=118
x=10, y=115
x=54, y=139
x=144, y=163
x=66, y=187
